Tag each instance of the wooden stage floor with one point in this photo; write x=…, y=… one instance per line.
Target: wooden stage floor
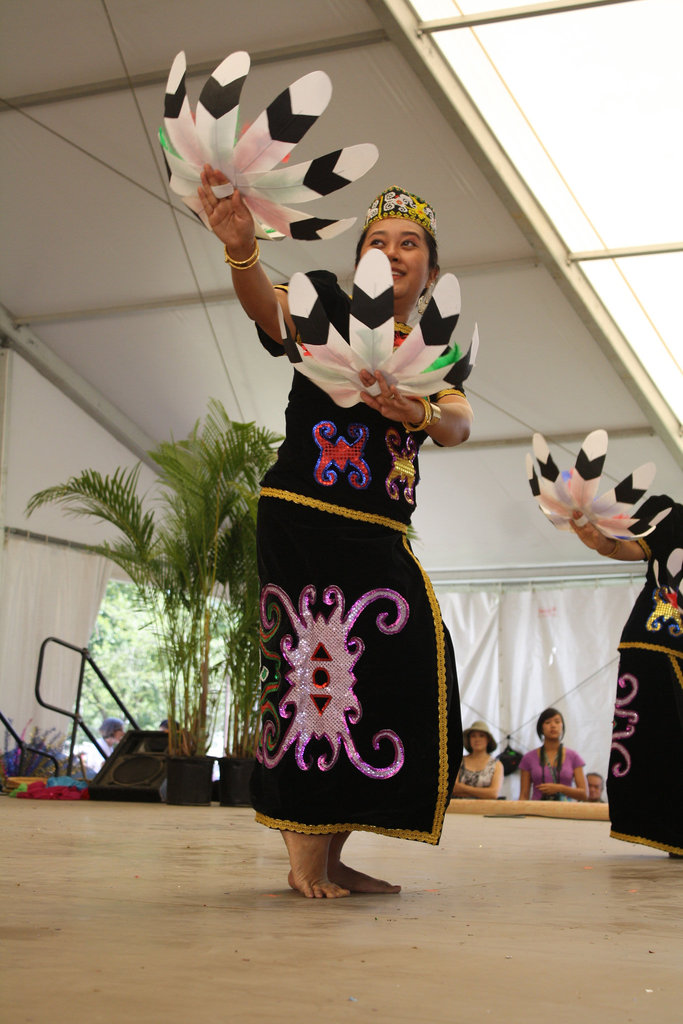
x=151, y=913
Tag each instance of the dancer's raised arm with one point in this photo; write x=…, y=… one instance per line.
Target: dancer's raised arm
x=233, y=224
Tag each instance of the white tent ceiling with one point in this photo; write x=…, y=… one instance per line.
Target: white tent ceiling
x=119, y=299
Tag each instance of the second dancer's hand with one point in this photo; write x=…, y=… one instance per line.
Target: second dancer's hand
x=588, y=534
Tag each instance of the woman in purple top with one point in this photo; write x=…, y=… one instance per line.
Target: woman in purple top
x=555, y=771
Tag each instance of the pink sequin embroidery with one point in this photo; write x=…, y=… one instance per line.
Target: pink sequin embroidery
x=619, y=769
x=321, y=701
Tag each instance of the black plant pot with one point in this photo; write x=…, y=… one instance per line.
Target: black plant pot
x=234, y=781
x=189, y=780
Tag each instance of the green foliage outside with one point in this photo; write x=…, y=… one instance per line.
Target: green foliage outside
x=126, y=651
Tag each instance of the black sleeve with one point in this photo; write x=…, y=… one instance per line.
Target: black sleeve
x=668, y=534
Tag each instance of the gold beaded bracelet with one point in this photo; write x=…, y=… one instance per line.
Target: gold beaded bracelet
x=244, y=264
x=432, y=415
x=612, y=553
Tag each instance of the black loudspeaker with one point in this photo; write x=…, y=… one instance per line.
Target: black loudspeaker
x=135, y=770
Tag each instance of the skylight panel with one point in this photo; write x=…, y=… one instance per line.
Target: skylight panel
x=587, y=104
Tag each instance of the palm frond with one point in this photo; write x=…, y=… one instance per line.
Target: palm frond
x=113, y=499
x=193, y=562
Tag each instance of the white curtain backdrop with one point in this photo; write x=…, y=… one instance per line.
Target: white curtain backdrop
x=474, y=623
x=47, y=590
x=520, y=651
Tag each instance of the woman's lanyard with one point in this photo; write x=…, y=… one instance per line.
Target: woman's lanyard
x=555, y=769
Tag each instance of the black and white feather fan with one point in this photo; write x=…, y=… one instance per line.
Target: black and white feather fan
x=424, y=363
x=253, y=160
x=561, y=493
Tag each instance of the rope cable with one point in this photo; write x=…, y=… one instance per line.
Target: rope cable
x=510, y=733
x=176, y=221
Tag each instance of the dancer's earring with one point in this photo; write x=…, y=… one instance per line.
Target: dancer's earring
x=423, y=301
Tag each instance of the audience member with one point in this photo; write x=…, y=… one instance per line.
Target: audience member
x=111, y=731
x=92, y=756
x=555, y=771
x=596, y=787
x=480, y=775
x=165, y=725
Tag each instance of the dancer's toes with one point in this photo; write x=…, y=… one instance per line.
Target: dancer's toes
x=316, y=888
x=308, y=860
x=330, y=890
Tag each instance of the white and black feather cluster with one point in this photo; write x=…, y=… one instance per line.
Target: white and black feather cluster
x=334, y=364
x=251, y=160
x=561, y=494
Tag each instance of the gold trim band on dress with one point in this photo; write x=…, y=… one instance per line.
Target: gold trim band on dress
x=647, y=842
x=657, y=648
x=283, y=825
x=442, y=793
x=445, y=392
x=338, y=510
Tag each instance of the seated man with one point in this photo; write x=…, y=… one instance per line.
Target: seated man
x=92, y=756
x=111, y=731
x=596, y=786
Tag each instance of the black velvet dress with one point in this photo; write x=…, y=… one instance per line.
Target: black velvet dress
x=645, y=780
x=360, y=711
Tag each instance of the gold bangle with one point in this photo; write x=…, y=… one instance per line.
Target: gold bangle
x=432, y=415
x=611, y=554
x=244, y=264
x=240, y=263
x=426, y=417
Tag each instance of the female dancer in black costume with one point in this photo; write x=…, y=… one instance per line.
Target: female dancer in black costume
x=645, y=782
x=361, y=722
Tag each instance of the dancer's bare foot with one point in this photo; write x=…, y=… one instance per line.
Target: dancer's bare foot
x=354, y=881
x=308, y=860
x=357, y=881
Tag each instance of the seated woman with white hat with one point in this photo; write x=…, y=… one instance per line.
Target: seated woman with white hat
x=480, y=775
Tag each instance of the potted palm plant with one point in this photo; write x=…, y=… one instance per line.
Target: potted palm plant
x=243, y=696
x=185, y=549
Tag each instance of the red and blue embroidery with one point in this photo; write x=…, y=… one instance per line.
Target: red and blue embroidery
x=337, y=455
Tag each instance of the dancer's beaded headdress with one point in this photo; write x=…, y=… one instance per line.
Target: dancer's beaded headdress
x=398, y=202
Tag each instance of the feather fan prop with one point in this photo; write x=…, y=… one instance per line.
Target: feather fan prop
x=559, y=494
x=423, y=364
x=250, y=160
